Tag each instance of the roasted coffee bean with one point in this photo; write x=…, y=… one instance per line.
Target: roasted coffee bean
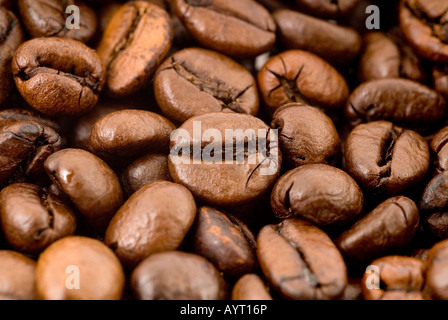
x=24, y=146
x=250, y=287
x=300, y=76
x=11, y=37
x=385, y=230
x=17, y=278
x=130, y=56
x=50, y=18
x=425, y=25
x=306, y=135
x=150, y=221
x=238, y=28
x=195, y=81
x=333, y=43
x=327, y=8
x=143, y=171
x=324, y=195
x=400, y=278
x=130, y=133
x=89, y=182
x=440, y=79
x=236, y=167
x=175, y=275
x=225, y=241
x=32, y=219
x=440, y=149
x=58, y=77
x=386, y=159
x=436, y=272
x=29, y=115
x=300, y=261
x=404, y=102
x=96, y=272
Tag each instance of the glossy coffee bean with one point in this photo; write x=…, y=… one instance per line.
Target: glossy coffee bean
x=17, y=276
x=386, y=159
x=155, y=218
x=238, y=28
x=250, y=287
x=89, y=182
x=29, y=115
x=306, y=135
x=49, y=18
x=327, y=8
x=195, y=81
x=225, y=241
x=24, y=146
x=324, y=195
x=404, y=102
x=385, y=230
x=333, y=43
x=300, y=76
x=32, y=219
x=436, y=273
x=79, y=268
x=130, y=56
x=249, y=172
x=11, y=37
x=175, y=275
x=400, y=278
x=58, y=77
x=300, y=261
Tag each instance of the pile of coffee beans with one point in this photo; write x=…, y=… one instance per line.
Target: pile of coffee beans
x=224, y=149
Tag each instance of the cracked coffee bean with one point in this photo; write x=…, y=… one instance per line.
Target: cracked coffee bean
x=300, y=261
x=58, y=77
x=385, y=230
x=32, y=219
x=47, y=18
x=322, y=194
x=250, y=287
x=128, y=53
x=195, y=81
x=238, y=28
x=302, y=77
x=330, y=9
x=436, y=272
x=386, y=159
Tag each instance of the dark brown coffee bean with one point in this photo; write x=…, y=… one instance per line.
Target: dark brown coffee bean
x=130, y=56
x=425, y=25
x=143, y=171
x=58, y=77
x=29, y=115
x=440, y=79
x=327, y=8
x=150, y=221
x=175, y=275
x=225, y=241
x=386, y=229
x=324, y=195
x=335, y=44
x=400, y=278
x=218, y=175
x=49, y=18
x=436, y=273
x=250, y=287
x=299, y=76
x=306, y=135
x=79, y=268
x=384, y=158
x=24, y=146
x=11, y=37
x=238, y=28
x=17, y=278
x=32, y=219
x=195, y=81
x=440, y=149
x=404, y=102
x=89, y=182
x=300, y=261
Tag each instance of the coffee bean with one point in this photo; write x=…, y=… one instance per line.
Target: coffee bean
x=440, y=149
x=385, y=230
x=58, y=77
x=327, y=8
x=175, y=275
x=29, y=115
x=238, y=28
x=195, y=81
x=324, y=195
x=300, y=261
x=79, y=268
x=436, y=273
x=440, y=76
x=250, y=287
